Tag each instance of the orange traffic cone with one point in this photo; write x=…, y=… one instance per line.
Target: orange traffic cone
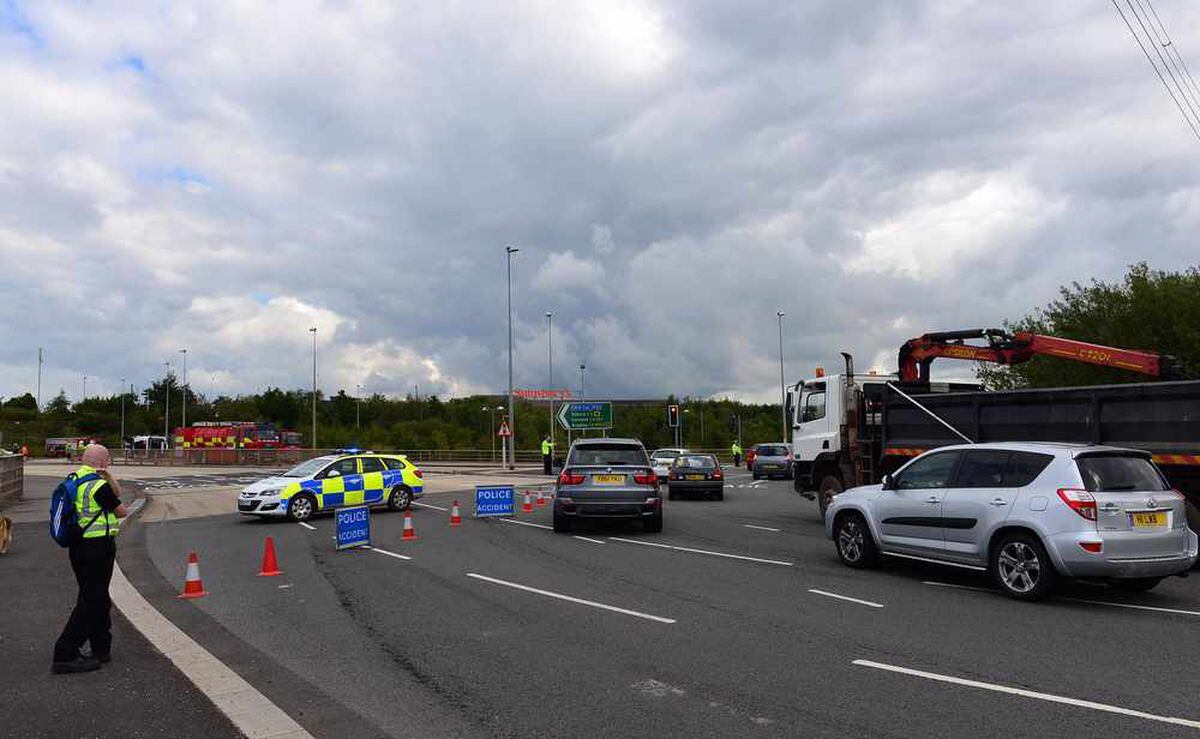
x=541, y=499
x=527, y=506
x=409, y=533
x=192, y=586
x=455, y=518
x=270, y=567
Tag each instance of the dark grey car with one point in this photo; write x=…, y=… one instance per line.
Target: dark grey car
x=696, y=475
x=607, y=478
x=772, y=460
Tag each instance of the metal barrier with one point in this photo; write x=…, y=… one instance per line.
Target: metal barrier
x=12, y=477
x=289, y=457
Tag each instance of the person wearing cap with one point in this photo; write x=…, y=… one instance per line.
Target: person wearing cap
x=98, y=508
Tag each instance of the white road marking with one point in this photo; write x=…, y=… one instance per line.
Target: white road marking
x=760, y=528
x=1132, y=605
x=427, y=505
x=703, y=551
x=584, y=538
x=1135, y=606
x=308, y=526
x=571, y=599
x=526, y=523
x=384, y=551
x=1049, y=697
x=827, y=594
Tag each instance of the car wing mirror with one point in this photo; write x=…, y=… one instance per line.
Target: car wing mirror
x=889, y=482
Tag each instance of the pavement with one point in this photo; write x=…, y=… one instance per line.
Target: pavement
x=737, y=620
x=138, y=694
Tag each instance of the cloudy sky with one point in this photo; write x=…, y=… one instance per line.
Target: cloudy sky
x=222, y=176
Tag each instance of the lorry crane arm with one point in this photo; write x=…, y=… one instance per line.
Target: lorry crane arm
x=916, y=355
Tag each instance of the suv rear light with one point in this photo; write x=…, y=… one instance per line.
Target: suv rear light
x=645, y=477
x=1091, y=546
x=570, y=478
x=1080, y=501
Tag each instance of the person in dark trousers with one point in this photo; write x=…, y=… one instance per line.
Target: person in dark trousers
x=98, y=508
x=547, y=456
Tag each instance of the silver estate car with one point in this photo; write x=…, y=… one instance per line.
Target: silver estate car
x=1028, y=513
x=607, y=478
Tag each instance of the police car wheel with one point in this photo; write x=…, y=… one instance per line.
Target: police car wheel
x=302, y=507
x=400, y=499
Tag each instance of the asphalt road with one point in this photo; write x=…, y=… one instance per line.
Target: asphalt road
x=457, y=640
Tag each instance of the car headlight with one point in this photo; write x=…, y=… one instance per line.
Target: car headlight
x=269, y=493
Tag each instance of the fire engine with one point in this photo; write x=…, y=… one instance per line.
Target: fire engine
x=235, y=435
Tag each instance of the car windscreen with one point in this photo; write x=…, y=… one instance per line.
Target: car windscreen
x=307, y=469
x=1119, y=472
x=665, y=456
x=771, y=451
x=608, y=455
x=696, y=462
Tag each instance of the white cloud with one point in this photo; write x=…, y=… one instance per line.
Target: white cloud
x=563, y=271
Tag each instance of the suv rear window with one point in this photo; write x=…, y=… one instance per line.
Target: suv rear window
x=608, y=454
x=1119, y=472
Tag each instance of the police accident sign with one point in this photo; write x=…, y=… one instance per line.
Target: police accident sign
x=353, y=526
x=494, y=500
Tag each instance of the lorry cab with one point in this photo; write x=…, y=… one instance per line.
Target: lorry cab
x=820, y=408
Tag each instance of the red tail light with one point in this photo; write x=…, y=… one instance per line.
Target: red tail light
x=673, y=475
x=1091, y=546
x=417, y=472
x=1080, y=501
x=718, y=475
x=645, y=477
x=570, y=478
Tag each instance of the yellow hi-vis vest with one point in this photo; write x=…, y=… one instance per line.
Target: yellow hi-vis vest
x=86, y=508
x=736, y=448
x=547, y=447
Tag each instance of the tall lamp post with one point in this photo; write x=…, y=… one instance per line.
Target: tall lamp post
x=122, y=414
x=493, y=433
x=511, y=441
x=183, y=390
x=167, y=406
x=313, y=331
x=84, y=389
x=550, y=385
x=582, y=390
x=41, y=359
x=358, y=410
x=782, y=392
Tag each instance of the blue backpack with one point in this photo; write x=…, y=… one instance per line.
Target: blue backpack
x=64, y=521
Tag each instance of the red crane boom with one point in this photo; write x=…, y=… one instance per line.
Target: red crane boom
x=916, y=355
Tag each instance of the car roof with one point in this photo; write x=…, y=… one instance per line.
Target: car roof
x=1057, y=448
x=675, y=449
x=613, y=440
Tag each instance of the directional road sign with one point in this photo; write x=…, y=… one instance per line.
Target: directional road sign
x=585, y=416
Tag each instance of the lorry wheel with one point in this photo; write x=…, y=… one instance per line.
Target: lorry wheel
x=830, y=486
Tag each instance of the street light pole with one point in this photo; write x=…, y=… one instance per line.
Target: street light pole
x=511, y=440
x=782, y=392
x=183, y=418
x=41, y=359
x=84, y=389
x=582, y=390
x=167, y=407
x=358, y=411
x=122, y=414
x=313, y=331
x=550, y=385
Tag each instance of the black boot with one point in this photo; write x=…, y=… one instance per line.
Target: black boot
x=79, y=664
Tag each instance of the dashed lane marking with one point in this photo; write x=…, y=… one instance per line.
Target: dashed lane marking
x=1134, y=606
x=571, y=599
x=584, y=538
x=1049, y=697
x=308, y=526
x=390, y=554
x=761, y=528
x=703, y=551
x=526, y=523
x=828, y=594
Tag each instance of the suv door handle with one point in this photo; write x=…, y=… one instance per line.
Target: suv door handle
x=933, y=499
x=999, y=501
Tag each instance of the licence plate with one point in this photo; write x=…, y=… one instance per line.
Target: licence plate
x=1157, y=519
x=693, y=477
x=608, y=479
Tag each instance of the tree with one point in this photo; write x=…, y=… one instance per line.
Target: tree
x=22, y=402
x=59, y=406
x=1148, y=309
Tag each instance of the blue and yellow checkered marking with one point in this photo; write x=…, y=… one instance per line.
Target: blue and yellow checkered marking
x=354, y=489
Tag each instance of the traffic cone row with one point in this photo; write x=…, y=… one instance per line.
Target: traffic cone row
x=527, y=506
x=541, y=499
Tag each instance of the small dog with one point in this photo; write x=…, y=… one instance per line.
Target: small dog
x=5, y=533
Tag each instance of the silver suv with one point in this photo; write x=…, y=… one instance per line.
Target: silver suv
x=607, y=478
x=1028, y=513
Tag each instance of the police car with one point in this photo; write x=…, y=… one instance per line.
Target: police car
x=335, y=480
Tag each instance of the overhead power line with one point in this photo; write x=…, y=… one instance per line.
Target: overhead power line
x=1169, y=44
x=1182, y=109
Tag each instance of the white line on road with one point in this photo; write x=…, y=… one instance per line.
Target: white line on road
x=427, y=505
x=571, y=599
x=584, y=538
x=760, y=528
x=1135, y=606
x=702, y=551
x=390, y=554
x=526, y=523
x=827, y=594
x=1049, y=697
x=308, y=526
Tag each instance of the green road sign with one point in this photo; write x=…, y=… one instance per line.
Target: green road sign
x=585, y=416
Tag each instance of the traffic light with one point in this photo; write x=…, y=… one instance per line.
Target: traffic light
x=673, y=416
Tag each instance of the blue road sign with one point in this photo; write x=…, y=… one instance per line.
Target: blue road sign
x=353, y=526
x=494, y=500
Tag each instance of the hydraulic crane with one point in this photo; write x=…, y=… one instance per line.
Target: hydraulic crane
x=916, y=355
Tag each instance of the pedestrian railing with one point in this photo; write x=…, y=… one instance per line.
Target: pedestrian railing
x=12, y=477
